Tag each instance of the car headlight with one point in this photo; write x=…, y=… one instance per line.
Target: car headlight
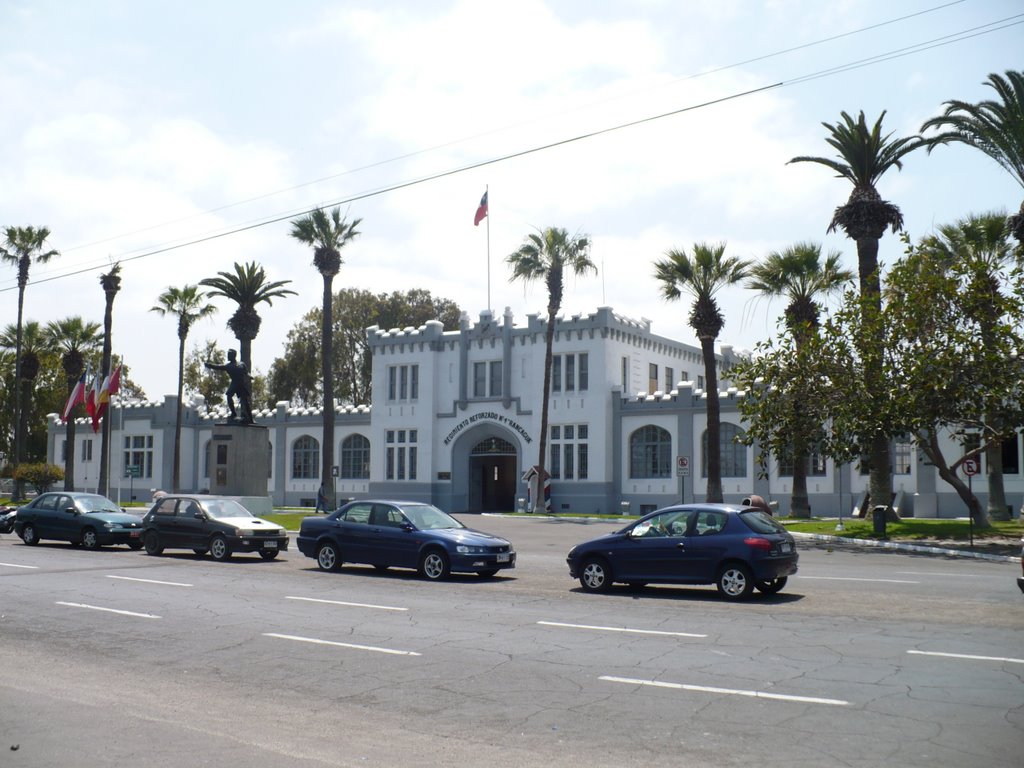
x=463, y=549
x=111, y=525
x=245, y=532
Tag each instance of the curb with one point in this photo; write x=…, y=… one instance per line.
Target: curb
x=900, y=547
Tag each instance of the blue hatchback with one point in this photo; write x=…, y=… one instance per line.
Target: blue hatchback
x=402, y=534
x=736, y=548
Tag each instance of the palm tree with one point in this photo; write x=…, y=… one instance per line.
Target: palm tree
x=982, y=242
x=545, y=256
x=798, y=274
x=34, y=344
x=993, y=127
x=75, y=338
x=22, y=246
x=327, y=235
x=247, y=286
x=187, y=305
x=111, y=284
x=701, y=276
x=863, y=157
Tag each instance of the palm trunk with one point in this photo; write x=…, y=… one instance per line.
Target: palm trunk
x=69, y=456
x=19, y=443
x=245, y=353
x=714, y=428
x=549, y=343
x=108, y=322
x=176, y=467
x=327, y=372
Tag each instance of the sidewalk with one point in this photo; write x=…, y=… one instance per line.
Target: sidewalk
x=984, y=549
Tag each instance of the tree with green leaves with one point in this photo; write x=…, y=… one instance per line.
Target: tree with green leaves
x=546, y=256
x=995, y=127
x=76, y=339
x=200, y=380
x=863, y=155
x=981, y=244
x=35, y=350
x=248, y=287
x=799, y=275
x=701, y=274
x=187, y=305
x=110, y=282
x=326, y=233
x=22, y=246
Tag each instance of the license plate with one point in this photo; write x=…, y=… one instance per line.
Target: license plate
x=786, y=547
x=504, y=558
x=270, y=545
x=134, y=534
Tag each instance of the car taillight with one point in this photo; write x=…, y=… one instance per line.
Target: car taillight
x=757, y=543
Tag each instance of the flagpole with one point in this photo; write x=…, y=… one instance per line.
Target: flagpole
x=487, y=191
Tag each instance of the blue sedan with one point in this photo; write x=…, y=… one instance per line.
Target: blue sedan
x=402, y=534
x=736, y=548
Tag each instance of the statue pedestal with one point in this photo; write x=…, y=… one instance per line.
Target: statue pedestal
x=240, y=464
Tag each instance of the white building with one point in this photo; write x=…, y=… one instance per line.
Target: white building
x=456, y=422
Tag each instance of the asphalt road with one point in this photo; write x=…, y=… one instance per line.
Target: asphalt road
x=116, y=658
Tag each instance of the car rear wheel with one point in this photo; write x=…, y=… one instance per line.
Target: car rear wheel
x=135, y=544
x=151, y=541
x=595, y=575
x=735, y=581
x=28, y=535
x=328, y=557
x=268, y=554
x=219, y=548
x=90, y=540
x=435, y=566
x=771, y=586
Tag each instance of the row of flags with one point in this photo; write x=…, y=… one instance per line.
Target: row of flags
x=96, y=396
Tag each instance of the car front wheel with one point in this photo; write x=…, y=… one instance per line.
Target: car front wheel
x=595, y=575
x=771, y=586
x=735, y=581
x=152, y=543
x=434, y=565
x=219, y=548
x=89, y=539
x=28, y=535
x=327, y=557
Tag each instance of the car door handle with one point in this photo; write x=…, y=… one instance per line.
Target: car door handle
x=681, y=545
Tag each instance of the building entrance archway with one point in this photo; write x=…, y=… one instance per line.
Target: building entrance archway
x=492, y=476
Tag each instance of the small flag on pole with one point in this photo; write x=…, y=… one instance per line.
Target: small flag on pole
x=92, y=402
x=77, y=396
x=481, y=211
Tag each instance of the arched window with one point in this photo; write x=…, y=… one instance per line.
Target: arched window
x=650, y=453
x=305, y=458
x=355, y=458
x=734, y=454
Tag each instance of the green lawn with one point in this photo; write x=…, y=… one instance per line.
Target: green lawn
x=907, y=529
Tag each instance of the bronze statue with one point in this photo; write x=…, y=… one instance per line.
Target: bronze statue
x=240, y=386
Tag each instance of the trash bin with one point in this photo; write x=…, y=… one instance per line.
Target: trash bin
x=878, y=514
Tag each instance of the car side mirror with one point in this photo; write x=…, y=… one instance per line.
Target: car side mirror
x=407, y=526
x=71, y=511
x=198, y=515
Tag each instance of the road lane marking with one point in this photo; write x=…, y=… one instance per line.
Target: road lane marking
x=727, y=691
x=851, y=578
x=317, y=641
x=108, y=610
x=619, y=629
x=151, y=581
x=13, y=565
x=1006, y=659
x=342, y=602
x=950, y=575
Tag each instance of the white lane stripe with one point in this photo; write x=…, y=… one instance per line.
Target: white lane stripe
x=13, y=565
x=317, y=641
x=949, y=575
x=727, y=691
x=850, y=578
x=108, y=610
x=619, y=629
x=151, y=581
x=342, y=602
x=1006, y=659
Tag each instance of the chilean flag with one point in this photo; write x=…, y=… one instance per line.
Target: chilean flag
x=92, y=402
x=77, y=396
x=481, y=211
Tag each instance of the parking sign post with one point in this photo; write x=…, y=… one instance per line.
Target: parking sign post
x=683, y=471
x=971, y=468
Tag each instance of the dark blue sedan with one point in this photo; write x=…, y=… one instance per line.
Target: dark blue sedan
x=402, y=534
x=736, y=548
x=85, y=519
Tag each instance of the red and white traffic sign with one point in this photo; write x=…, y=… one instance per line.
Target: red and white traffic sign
x=971, y=467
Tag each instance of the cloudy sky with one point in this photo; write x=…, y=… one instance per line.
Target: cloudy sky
x=179, y=138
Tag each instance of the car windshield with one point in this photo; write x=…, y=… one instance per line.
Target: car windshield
x=95, y=504
x=761, y=522
x=428, y=518
x=225, y=508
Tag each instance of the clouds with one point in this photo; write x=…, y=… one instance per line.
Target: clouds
x=139, y=128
